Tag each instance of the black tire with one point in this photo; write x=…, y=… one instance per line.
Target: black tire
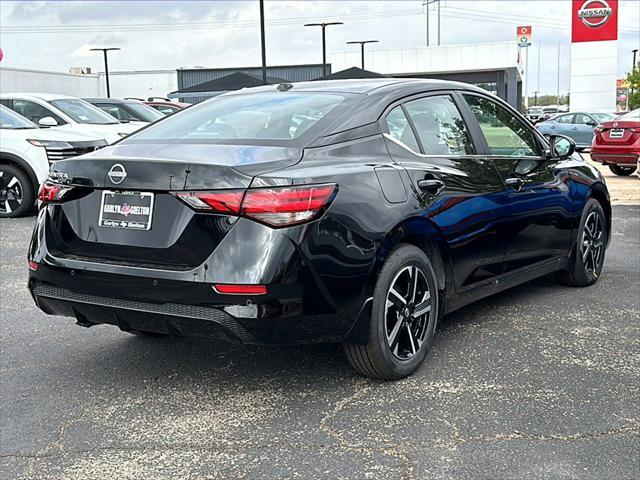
x=585, y=271
x=17, y=197
x=378, y=359
x=622, y=171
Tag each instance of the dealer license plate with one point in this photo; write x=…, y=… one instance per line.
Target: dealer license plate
x=130, y=210
x=616, y=133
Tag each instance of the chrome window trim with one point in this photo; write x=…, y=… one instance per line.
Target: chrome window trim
x=470, y=156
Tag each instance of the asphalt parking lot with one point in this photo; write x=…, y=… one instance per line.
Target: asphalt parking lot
x=542, y=381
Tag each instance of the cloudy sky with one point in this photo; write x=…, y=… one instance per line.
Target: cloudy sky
x=57, y=35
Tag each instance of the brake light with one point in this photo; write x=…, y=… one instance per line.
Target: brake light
x=280, y=207
x=33, y=266
x=276, y=207
x=52, y=193
x=219, y=202
x=241, y=289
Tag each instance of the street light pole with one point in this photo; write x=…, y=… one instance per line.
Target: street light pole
x=262, y=41
x=106, y=64
x=362, y=42
x=635, y=52
x=324, y=25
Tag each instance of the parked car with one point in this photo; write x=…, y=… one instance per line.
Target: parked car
x=26, y=151
x=393, y=203
x=535, y=114
x=126, y=111
x=52, y=110
x=579, y=126
x=167, y=107
x=617, y=143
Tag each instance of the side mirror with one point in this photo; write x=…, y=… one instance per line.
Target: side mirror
x=561, y=147
x=591, y=123
x=47, y=122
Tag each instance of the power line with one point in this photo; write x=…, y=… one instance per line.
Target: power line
x=196, y=26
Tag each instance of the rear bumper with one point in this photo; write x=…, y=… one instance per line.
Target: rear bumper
x=617, y=159
x=182, y=308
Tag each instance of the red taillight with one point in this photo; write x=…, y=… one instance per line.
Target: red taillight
x=52, y=193
x=219, y=202
x=277, y=207
x=280, y=207
x=33, y=266
x=241, y=289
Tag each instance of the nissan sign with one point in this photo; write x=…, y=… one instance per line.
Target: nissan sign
x=594, y=20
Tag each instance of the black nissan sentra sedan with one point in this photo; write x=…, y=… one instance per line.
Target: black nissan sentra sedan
x=344, y=211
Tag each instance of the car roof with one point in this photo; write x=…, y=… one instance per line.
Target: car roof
x=359, y=86
x=36, y=95
x=111, y=100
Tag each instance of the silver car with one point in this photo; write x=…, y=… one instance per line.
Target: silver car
x=577, y=125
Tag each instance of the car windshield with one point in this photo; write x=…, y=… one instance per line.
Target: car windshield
x=603, y=117
x=271, y=118
x=83, y=112
x=633, y=115
x=144, y=112
x=11, y=120
x=535, y=111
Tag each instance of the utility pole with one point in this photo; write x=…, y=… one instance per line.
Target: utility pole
x=362, y=43
x=262, y=41
x=535, y=98
x=324, y=43
x=635, y=52
x=539, y=64
x=426, y=4
x=106, y=64
x=439, y=2
x=558, y=79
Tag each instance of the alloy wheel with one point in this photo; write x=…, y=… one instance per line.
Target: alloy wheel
x=592, y=243
x=407, y=312
x=11, y=193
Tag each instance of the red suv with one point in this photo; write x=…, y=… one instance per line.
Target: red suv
x=617, y=143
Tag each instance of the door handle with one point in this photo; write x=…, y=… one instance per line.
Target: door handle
x=515, y=183
x=431, y=185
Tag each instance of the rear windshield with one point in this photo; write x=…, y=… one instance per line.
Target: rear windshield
x=632, y=115
x=270, y=118
x=83, y=112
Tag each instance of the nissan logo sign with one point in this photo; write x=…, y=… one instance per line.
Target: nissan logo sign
x=595, y=13
x=117, y=174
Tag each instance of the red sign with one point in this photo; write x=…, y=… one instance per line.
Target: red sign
x=594, y=20
x=523, y=35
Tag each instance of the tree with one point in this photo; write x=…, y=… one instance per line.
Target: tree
x=634, y=89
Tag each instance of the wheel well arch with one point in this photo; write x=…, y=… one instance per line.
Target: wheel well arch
x=10, y=159
x=424, y=234
x=599, y=192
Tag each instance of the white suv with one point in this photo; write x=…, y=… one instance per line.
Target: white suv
x=52, y=110
x=26, y=152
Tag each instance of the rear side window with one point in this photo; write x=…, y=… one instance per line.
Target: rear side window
x=400, y=129
x=505, y=133
x=271, y=117
x=564, y=119
x=440, y=126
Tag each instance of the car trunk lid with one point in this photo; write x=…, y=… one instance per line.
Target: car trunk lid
x=168, y=234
